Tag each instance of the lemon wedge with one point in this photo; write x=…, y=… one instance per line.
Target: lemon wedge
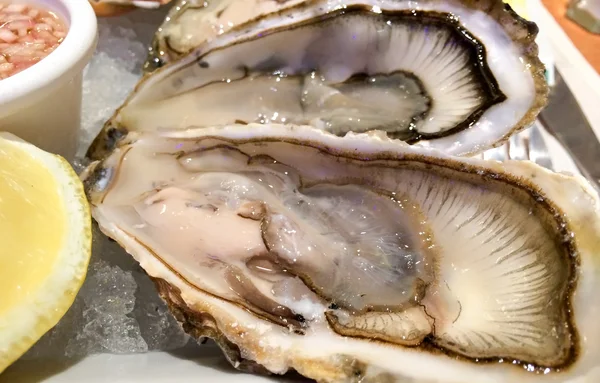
x=45, y=243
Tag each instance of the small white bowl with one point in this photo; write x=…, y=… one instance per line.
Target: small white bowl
x=42, y=104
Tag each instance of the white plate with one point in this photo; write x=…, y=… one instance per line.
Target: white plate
x=203, y=363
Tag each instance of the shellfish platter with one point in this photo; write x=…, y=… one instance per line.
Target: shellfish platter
x=295, y=191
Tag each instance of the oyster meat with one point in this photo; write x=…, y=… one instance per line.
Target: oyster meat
x=360, y=258
x=457, y=75
x=190, y=23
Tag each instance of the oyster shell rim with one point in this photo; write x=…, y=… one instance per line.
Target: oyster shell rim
x=351, y=368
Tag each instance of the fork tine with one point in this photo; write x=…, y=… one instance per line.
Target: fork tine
x=538, y=152
x=499, y=154
x=527, y=145
x=517, y=149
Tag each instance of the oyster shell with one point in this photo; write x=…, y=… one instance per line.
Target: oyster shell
x=459, y=76
x=190, y=23
x=360, y=258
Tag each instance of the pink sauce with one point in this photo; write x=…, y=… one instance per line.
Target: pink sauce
x=27, y=34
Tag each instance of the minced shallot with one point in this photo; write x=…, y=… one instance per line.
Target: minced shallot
x=27, y=34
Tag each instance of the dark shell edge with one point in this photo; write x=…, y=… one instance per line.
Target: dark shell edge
x=202, y=325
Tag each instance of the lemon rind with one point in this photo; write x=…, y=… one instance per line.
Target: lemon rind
x=26, y=323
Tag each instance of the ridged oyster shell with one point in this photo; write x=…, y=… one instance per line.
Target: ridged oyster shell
x=460, y=76
x=360, y=259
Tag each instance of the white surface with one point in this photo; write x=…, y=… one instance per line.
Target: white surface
x=199, y=364
x=561, y=160
x=42, y=104
x=579, y=75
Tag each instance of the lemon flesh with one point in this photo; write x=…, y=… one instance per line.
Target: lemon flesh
x=29, y=200
x=45, y=243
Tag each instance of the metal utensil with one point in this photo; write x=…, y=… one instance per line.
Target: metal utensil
x=564, y=119
x=538, y=151
x=518, y=147
x=527, y=145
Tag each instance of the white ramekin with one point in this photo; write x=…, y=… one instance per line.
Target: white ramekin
x=42, y=104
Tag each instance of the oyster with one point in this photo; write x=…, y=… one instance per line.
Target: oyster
x=360, y=258
x=459, y=76
x=191, y=23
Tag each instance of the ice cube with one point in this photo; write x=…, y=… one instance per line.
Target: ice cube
x=118, y=309
x=109, y=297
x=101, y=311
x=116, y=67
x=159, y=328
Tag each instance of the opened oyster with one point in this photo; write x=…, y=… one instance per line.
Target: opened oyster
x=460, y=76
x=191, y=23
x=359, y=258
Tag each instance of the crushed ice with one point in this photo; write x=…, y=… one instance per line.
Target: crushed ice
x=109, y=299
x=117, y=310
x=115, y=68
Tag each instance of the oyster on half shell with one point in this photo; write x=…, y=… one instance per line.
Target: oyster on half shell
x=190, y=23
x=360, y=258
x=456, y=75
